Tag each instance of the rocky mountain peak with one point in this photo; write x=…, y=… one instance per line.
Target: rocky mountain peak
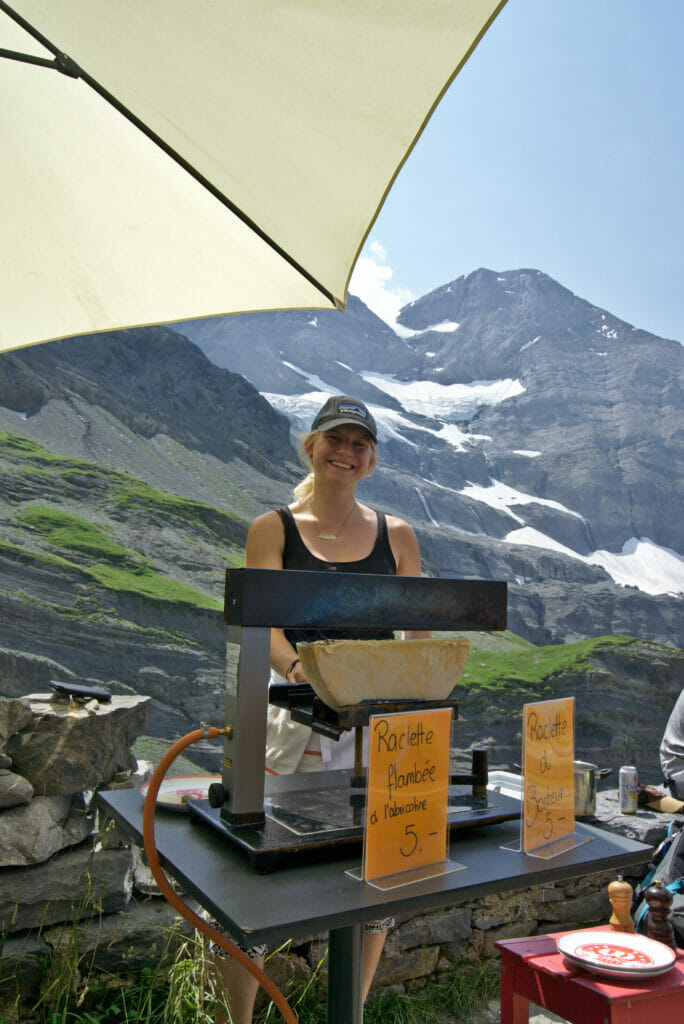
x=486, y=324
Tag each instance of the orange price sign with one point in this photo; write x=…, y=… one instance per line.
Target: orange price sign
x=549, y=787
x=407, y=792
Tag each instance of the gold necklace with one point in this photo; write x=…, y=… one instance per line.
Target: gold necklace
x=327, y=535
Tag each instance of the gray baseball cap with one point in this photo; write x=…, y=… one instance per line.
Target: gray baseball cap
x=341, y=409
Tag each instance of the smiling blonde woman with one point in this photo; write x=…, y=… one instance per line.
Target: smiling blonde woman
x=324, y=529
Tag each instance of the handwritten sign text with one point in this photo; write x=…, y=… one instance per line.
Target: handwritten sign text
x=548, y=753
x=407, y=791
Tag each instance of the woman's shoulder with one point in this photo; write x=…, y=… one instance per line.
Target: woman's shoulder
x=404, y=545
x=265, y=539
x=267, y=520
x=399, y=530
x=397, y=525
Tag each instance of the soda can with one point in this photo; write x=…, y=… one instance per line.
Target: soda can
x=629, y=788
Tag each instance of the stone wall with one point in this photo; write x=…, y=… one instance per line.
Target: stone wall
x=68, y=880
x=55, y=868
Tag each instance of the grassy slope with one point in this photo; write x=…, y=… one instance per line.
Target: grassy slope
x=81, y=547
x=531, y=667
x=108, y=564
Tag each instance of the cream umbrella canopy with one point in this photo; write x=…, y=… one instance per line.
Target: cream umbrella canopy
x=170, y=159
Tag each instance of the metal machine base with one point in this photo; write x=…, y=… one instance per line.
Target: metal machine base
x=321, y=813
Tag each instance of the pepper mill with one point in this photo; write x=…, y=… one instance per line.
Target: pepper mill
x=620, y=894
x=659, y=900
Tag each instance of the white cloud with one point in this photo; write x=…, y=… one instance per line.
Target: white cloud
x=370, y=282
x=378, y=250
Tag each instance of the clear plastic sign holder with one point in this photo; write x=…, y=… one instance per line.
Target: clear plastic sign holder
x=547, y=811
x=406, y=836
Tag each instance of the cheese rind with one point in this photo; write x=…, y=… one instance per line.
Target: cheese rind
x=345, y=672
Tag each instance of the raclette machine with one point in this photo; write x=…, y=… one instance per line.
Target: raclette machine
x=271, y=817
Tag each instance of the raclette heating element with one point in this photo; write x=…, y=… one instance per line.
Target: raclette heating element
x=286, y=815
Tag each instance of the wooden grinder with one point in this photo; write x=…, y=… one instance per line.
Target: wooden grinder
x=621, y=894
x=659, y=900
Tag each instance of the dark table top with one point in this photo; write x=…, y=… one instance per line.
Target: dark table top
x=305, y=898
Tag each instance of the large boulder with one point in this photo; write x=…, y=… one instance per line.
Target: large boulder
x=77, y=885
x=14, y=789
x=15, y=715
x=32, y=833
x=65, y=748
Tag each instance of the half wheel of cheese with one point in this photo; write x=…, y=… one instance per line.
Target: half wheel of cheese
x=345, y=672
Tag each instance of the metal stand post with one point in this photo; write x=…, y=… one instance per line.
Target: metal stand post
x=345, y=975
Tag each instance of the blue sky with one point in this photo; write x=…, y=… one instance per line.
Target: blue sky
x=560, y=146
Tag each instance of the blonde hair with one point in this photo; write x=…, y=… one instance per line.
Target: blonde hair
x=304, y=490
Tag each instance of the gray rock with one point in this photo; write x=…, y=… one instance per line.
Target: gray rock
x=22, y=673
x=5, y=761
x=35, y=831
x=428, y=929
x=21, y=970
x=65, y=749
x=15, y=714
x=75, y=885
x=646, y=826
x=399, y=967
x=589, y=909
x=287, y=972
x=14, y=789
x=147, y=934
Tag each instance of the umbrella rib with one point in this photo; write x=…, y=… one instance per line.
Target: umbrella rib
x=27, y=58
x=64, y=64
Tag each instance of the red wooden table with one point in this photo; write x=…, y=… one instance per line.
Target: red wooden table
x=532, y=970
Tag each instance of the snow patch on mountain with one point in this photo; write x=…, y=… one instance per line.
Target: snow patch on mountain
x=641, y=563
x=447, y=402
x=529, y=537
x=502, y=497
x=443, y=327
x=459, y=441
x=645, y=565
x=311, y=379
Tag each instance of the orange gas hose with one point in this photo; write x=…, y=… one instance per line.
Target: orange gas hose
x=187, y=912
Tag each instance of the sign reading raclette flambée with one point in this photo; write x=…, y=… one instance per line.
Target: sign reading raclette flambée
x=407, y=792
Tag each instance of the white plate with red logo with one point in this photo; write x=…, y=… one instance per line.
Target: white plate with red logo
x=175, y=792
x=616, y=954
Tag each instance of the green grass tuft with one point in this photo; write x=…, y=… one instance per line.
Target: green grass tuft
x=147, y=583
x=67, y=531
x=135, y=493
x=532, y=667
x=116, y=568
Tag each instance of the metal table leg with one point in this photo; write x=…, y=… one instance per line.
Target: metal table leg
x=345, y=975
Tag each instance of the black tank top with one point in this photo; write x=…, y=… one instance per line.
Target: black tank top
x=296, y=555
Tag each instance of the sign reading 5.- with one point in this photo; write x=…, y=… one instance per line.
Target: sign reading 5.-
x=407, y=792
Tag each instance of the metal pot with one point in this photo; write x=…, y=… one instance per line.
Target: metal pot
x=585, y=789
